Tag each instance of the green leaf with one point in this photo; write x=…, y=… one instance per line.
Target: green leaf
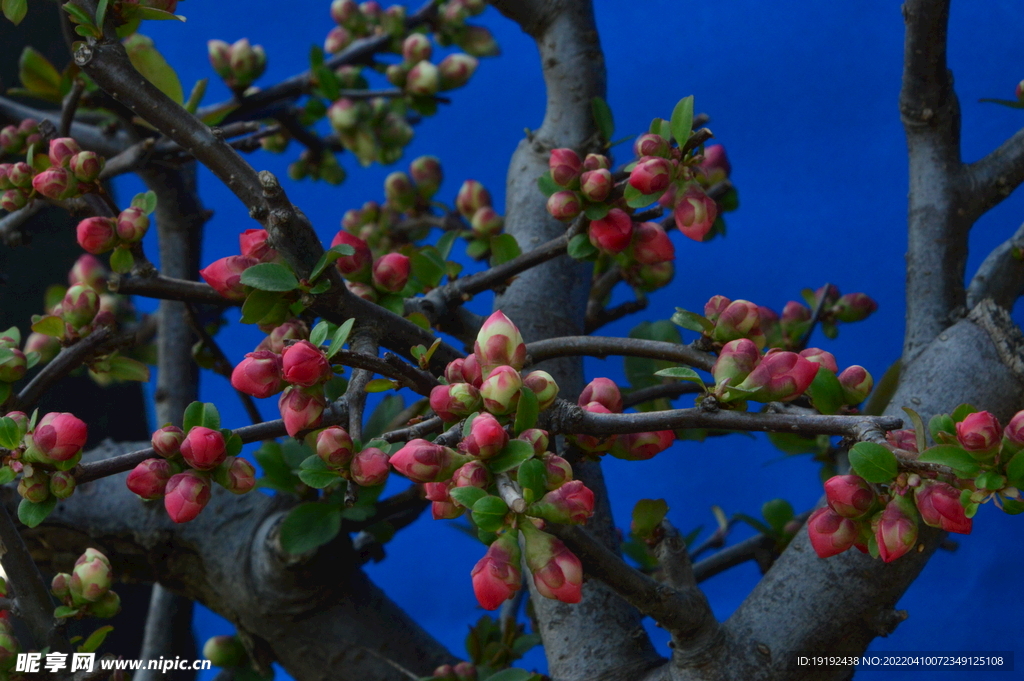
x=152, y=65
x=259, y=305
x=682, y=120
x=122, y=368
x=603, y=118
x=49, y=325
x=146, y=202
x=1014, y=470
x=682, y=373
x=36, y=73
x=919, y=431
x=580, y=248
x=315, y=473
x=232, y=442
x=277, y=474
x=647, y=515
x=826, y=392
x=990, y=480
x=340, y=336
x=777, y=512
x=445, y=243
x=15, y=10
x=62, y=611
x=319, y=333
x=121, y=260
x=328, y=258
x=941, y=424
x=514, y=453
x=77, y=14
x=428, y=266
x=504, y=247
x=547, y=185
x=640, y=370
x=309, y=526
x=489, y=512
x=596, y=211
x=7, y=474
x=95, y=640
x=873, y=462
x=390, y=407
x=31, y=514
x=379, y=385
x=202, y=414
x=950, y=455
x=692, y=321
x=467, y=496
x=963, y=411
x=270, y=276
x=636, y=199
x=10, y=433
x=532, y=478
x=101, y=12
x=527, y=411
x=195, y=97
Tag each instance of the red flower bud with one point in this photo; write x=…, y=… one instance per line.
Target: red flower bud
x=895, y=529
x=979, y=432
x=472, y=474
x=89, y=271
x=857, y=384
x=236, y=475
x=651, y=175
x=500, y=390
x=423, y=461
x=1014, y=430
x=498, y=343
x=455, y=401
x=301, y=409
x=572, y=503
x=590, y=443
x=565, y=167
x=650, y=144
x=780, y=377
x=651, y=245
x=87, y=166
x=564, y=205
x=596, y=162
x=471, y=370
x=557, y=471
x=334, y=447
x=20, y=175
x=426, y=172
x=304, y=364
x=603, y=391
x=471, y=197
x=391, y=272
x=905, y=440
x=641, y=446
x=854, y=307
x=356, y=266
x=819, y=356
x=557, y=572
x=59, y=436
x=55, y=183
x=596, y=185
x=695, y=213
x=612, y=233
x=149, y=478
x=203, y=448
x=740, y=319
x=259, y=374
x=735, y=362
x=849, y=495
x=61, y=151
x=13, y=199
x=255, y=244
x=496, y=577
x=97, y=235
x=186, y=495
x=456, y=70
x=939, y=505
x=543, y=386
x=225, y=275
x=486, y=437
x=830, y=533
x=370, y=467
x=486, y=222
x=416, y=48
x=276, y=342
x=167, y=441
x=715, y=165
x=537, y=438
x=337, y=40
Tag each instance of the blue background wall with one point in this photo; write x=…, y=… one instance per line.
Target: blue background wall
x=804, y=96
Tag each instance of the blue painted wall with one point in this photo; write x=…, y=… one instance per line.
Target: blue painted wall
x=804, y=96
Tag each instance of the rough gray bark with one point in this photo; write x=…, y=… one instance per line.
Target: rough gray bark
x=1001, y=275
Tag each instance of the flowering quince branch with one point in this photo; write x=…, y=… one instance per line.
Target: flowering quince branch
x=603, y=346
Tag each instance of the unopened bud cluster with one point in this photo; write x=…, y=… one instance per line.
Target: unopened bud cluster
x=602, y=396
x=463, y=671
x=64, y=173
x=45, y=453
x=86, y=590
x=366, y=466
x=787, y=330
x=225, y=275
x=239, y=64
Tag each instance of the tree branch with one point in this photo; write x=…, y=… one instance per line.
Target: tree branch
x=603, y=346
x=1001, y=276
x=34, y=603
x=994, y=177
x=168, y=288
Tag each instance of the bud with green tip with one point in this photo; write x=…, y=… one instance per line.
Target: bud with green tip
x=399, y=192
x=60, y=587
x=20, y=175
x=650, y=144
x=537, y=438
x=62, y=484
x=830, y=533
x=87, y=166
x=500, y=390
x=91, y=578
x=895, y=528
x=557, y=471
x=106, y=607
x=62, y=150
x=854, y=307
x=13, y=199
x=236, y=475
x=478, y=42
x=13, y=365
x=35, y=487
x=80, y=305
x=486, y=437
x=225, y=651
x=132, y=224
x=780, y=377
x=939, y=506
x=499, y=343
x=338, y=38
x=455, y=401
x=596, y=185
x=565, y=166
x=426, y=173
x=55, y=183
x=564, y=205
x=247, y=63
x=571, y=503
x=345, y=113
x=370, y=467
x=334, y=447
x=543, y=386
x=423, y=461
x=472, y=197
x=220, y=57
x=455, y=70
x=695, y=212
x=857, y=384
x=557, y=572
x=486, y=222
x=423, y=80
x=819, y=356
x=740, y=319
x=849, y=495
x=416, y=48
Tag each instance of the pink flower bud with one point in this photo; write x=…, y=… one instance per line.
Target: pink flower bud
x=564, y=205
x=225, y=275
x=557, y=471
x=62, y=484
x=590, y=443
x=345, y=114
x=259, y=374
x=87, y=166
x=819, y=356
x=1014, y=430
x=426, y=173
x=356, y=266
x=423, y=461
x=596, y=185
x=641, y=446
x=236, y=475
x=167, y=441
x=543, y=385
x=416, y=48
x=498, y=343
x=59, y=436
x=13, y=199
x=399, y=191
x=334, y=447
x=247, y=63
x=186, y=495
x=849, y=495
x=219, y=53
x=854, y=307
x=203, y=448
x=735, y=362
x=10, y=140
x=456, y=70
x=344, y=11
x=20, y=175
x=857, y=384
x=486, y=437
x=301, y=409
x=20, y=418
x=695, y=213
x=612, y=233
x=91, y=578
x=445, y=510
x=337, y=40
x=557, y=572
x=830, y=533
x=97, y=235
x=979, y=432
x=603, y=391
x=61, y=151
x=895, y=528
x=55, y=183
x=715, y=165
x=651, y=245
x=471, y=370
x=780, y=377
x=500, y=390
x=537, y=438
x=13, y=365
x=905, y=440
x=149, y=478
x=472, y=474
x=255, y=244
x=278, y=339
x=455, y=401
x=35, y=487
x=80, y=305
x=47, y=346
x=437, y=491
x=304, y=364
x=391, y=272
x=565, y=167
x=423, y=80
x=89, y=271
x=572, y=503
x=471, y=197
x=714, y=308
x=486, y=222
x=370, y=467
x=496, y=576
x=740, y=319
x=652, y=174
x=596, y=162
x=61, y=585
x=939, y=505
x=650, y=144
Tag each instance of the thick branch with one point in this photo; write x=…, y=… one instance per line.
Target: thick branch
x=603, y=346
x=994, y=177
x=168, y=288
x=34, y=603
x=1001, y=276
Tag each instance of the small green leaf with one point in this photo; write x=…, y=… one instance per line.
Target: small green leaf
x=232, y=442
x=1014, y=470
x=319, y=333
x=826, y=392
x=10, y=433
x=580, y=248
x=467, y=496
x=514, y=674
x=7, y=474
x=201, y=414
x=146, y=202
x=328, y=258
x=596, y=211
x=682, y=120
x=36, y=73
x=379, y=385
x=514, y=453
x=941, y=424
x=527, y=411
x=31, y=514
x=547, y=185
x=950, y=455
x=428, y=266
x=682, y=373
x=77, y=14
x=963, y=411
x=152, y=65
x=122, y=368
x=532, y=478
x=195, y=97
x=990, y=480
x=95, y=640
x=63, y=611
x=49, y=325
x=636, y=199
x=445, y=243
x=919, y=431
x=315, y=473
x=489, y=512
x=647, y=515
x=259, y=305
x=603, y=118
x=340, y=337
x=15, y=10
x=309, y=526
x=121, y=260
x=504, y=247
x=777, y=512
x=270, y=276
x=692, y=321
x=873, y=462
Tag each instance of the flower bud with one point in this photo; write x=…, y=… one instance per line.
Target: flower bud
x=344, y=11
x=203, y=448
x=20, y=175
x=596, y=185
x=651, y=175
x=854, y=307
x=391, y=272
x=500, y=390
x=543, y=386
x=345, y=114
x=486, y=437
x=740, y=319
x=472, y=474
x=225, y=275
x=780, y=377
x=735, y=362
x=445, y=510
x=247, y=63
x=651, y=245
x=225, y=651
x=361, y=290
x=641, y=446
x=334, y=447
x=715, y=165
x=108, y=605
x=301, y=409
x=695, y=213
x=557, y=471
x=454, y=401
x=61, y=151
x=857, y=384
x=456, y=69
x=304, y=364
x=423, y=80
x=167, y=441
x=35, y=487
x=186, y=495
x=478, y=41
x=819, y=356
x=537, y=438
x=278, y=339
x=486, y=222
x=939, y=505
x=1014, y=430
x=338, y=38
x=87, y=166
x=355, y=267
x=149, y=478
x=236, y=475
x=48, y=347
x=572, y=503
x=849, y=495
x=91, y=578
x=427, y=174
x=612, y=233
x=498, y=343
x=399, y=191
x=97, y=235
x=21, y=419
x=259, y=374
x=650, y=144
x=904, y=440
x=59, y=436
x=830, y=533
x=89, y=271
x=370, y=467
x=55, y=183
x=557, y=572
x=60, y=587
x=255, y=244
x=472, y=197
x=979, y=432
x=437, y=491
x=10, y=140
x=79, y=306
x=62, y=484
x=219, y=53
x=13, y=365
x=895, y=529
x=471, y=370
x=416, y=48
x=423, y=461
x=565, y=167
x=13, y=199
x=564, y=205
x=603, y=391
x=496, y=576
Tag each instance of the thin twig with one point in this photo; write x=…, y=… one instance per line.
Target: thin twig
x=69, y=106
x=815, y=318
x=363, y=343
x=101, y=341
x=11, y=224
